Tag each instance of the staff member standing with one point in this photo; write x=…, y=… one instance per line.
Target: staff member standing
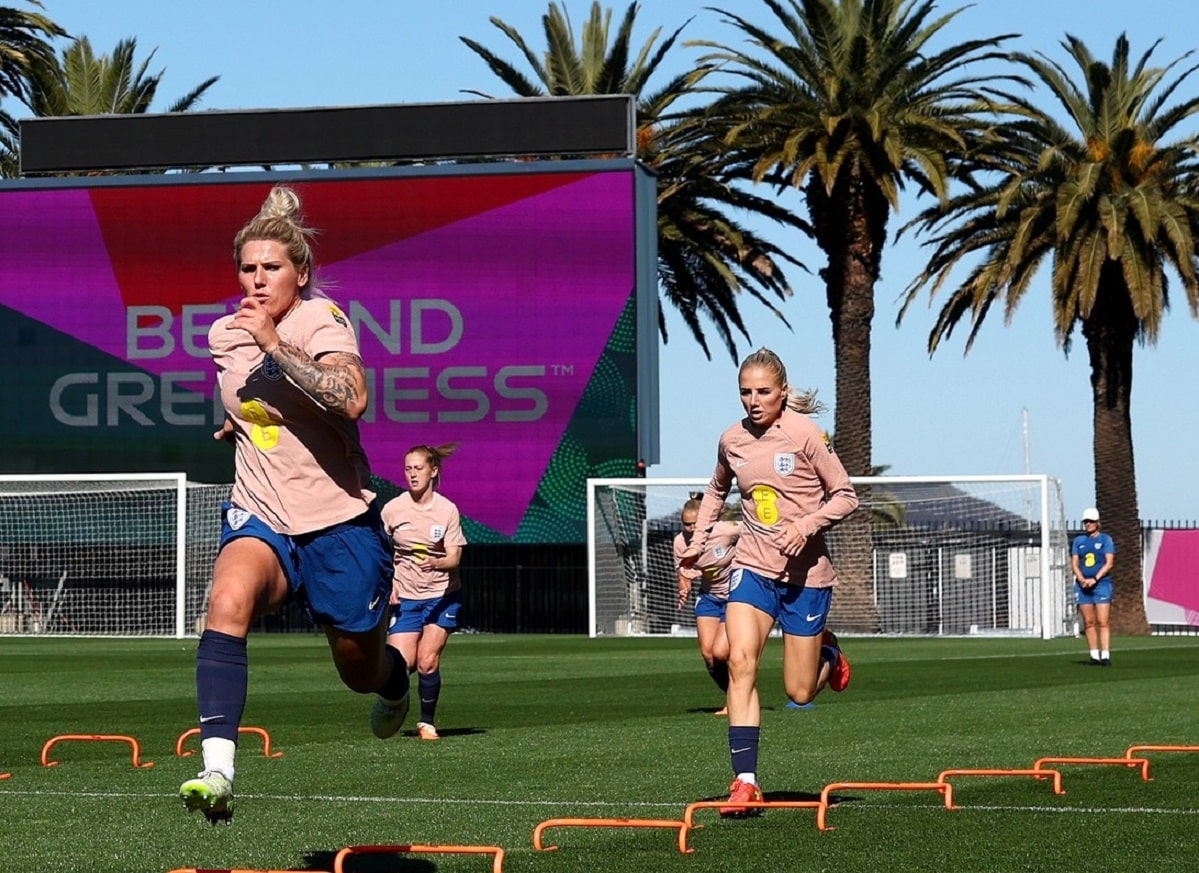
x=1092, y=557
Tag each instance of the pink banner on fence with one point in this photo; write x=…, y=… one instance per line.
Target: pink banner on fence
x=1171, y=575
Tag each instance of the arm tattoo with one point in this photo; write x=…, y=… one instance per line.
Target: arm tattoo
x=334, y=382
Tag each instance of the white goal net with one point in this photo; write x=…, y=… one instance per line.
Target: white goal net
x=106, y=554
x=948, y=556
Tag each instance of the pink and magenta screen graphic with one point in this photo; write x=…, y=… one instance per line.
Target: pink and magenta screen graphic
x=483, y=304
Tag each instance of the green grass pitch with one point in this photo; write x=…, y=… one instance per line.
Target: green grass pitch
x=542, y=727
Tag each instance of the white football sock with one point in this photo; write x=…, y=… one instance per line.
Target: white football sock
x=218, y=755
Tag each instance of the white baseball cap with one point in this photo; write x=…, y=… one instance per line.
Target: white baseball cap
x=1090, y=514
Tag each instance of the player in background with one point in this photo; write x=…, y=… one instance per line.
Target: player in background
x=426, y=535
x=301, y=521
x=793, y=488
x=1092, y=556
x=711, y=570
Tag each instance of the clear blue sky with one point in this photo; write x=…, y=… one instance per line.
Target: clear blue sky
x=944, y=415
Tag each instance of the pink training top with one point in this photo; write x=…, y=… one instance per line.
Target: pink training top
x=297, y=466
x=712, y=566
x=787, y=474
x=419, y=531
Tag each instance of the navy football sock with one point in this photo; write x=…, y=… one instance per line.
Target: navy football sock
x=222, y=675
x=429, y=685
x=743, y=748
x=396, y=685
x=830, y=654
x=720, y=674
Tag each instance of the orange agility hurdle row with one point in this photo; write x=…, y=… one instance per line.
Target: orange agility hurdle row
x=192, y=732
x=497, y=862
x=944, y=788
x=689, y=812
x=605, y=823
x=1131, y=751
x=101, y=737
x=1143, y=763
x=1034, y=773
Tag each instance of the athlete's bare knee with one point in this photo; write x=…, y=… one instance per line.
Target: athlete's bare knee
x=802, y=695
x=428, y=664
x=230, y=607
x=742, y=666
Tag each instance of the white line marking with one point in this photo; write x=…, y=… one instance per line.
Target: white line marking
x=620, y=804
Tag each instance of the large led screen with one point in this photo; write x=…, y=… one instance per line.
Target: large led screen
x=495, y=310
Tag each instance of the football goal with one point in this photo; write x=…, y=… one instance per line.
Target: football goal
x=106, y=554
x=948, y=556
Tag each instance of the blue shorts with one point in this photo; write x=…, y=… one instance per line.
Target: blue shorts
x=1101, y=592
x=412, y=615
x=707, y=606
x=801, y=611
x=341, y=574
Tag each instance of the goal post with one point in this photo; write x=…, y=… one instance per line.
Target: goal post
x=106, y=553
x=950, y=555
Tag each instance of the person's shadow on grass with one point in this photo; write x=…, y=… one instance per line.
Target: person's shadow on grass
x=445, y=733
x=382, y=862
x=776, y=797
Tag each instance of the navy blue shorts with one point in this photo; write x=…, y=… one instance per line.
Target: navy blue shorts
x=801, y=611
x=707, y=606
x=412, y=615
x=1100, y=592
x=341, y=574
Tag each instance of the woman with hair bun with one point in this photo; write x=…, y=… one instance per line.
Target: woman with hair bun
x=301, y=521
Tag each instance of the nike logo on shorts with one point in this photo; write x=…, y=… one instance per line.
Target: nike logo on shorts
x=813, y=617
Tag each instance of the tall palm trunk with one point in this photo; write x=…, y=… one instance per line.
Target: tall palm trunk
x=850, y=226
x=1110, y=332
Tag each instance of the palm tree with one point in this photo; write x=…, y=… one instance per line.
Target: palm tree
x=848, y=105
x=705, y=257
x=10, y=147
x=1112, y=203
x=23, y=46
x=83, y=83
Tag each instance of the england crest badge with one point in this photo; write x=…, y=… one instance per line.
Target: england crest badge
x=784, y=463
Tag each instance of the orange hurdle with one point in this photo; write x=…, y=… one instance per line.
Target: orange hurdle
x=603, y=823
x=191, y=732
x=944, y=788
x=118, y=737
x=1131, y=751
x=689, y=813
x=1143, y=763
x=5, y=776
x=497, y=863
x=1036, y=774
